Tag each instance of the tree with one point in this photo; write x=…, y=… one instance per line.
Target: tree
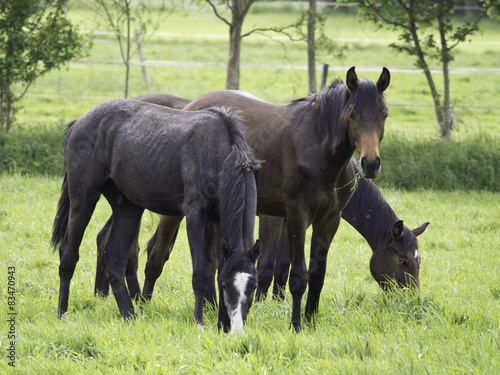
x=317, y=42
x=35, y=38
x=124, y=17
x=239, y=9
x=311, y=47
x=418, y=22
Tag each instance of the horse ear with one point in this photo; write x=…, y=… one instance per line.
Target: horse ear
x=384, y=80
x=398, y=229
x=419, y=230
x=255, y=252
x=351, y=79
x=226, y=248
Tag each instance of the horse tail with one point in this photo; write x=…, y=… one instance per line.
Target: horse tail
x=237, y=188
x=60, y=227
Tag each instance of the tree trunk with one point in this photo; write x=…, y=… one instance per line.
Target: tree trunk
x=5, y=110
x=233, y=63
x=423, y=64
x=127, y=58
x=447, y=120
x=311, y=47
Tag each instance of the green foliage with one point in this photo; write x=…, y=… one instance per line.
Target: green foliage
x=33, y=150
x=472, y=164
x=410, y=164
x=35, y=38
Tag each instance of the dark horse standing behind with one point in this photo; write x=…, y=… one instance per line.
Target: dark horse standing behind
x=395, y=259
x=139, y=156
x=306, y=176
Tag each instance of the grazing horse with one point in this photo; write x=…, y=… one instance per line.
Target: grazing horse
x=306, y=176
x=101, y=286
x=395, y=259
x=144, y=156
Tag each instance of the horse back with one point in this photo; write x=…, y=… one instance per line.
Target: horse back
x=156, y=156
x=265, y=131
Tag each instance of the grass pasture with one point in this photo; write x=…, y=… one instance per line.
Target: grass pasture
x=451, y=327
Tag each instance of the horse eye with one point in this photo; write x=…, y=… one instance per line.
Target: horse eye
x=403, y=262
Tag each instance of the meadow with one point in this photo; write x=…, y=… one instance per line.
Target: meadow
x=450, y=327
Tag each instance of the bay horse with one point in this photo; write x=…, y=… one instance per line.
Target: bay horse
x=306, y=175
x=395, y=259
x=144, y=156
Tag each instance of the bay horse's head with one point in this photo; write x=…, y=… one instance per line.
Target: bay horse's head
x=397, y=262
x=238, y=279
x=366, y=112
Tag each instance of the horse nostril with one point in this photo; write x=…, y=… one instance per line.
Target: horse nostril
x=370, y=169
x=363, y=163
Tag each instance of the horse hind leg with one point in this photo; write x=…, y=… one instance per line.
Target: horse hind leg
x=158, y=250
x=79, y=216
x=134, y=288
x=101, y=286
x=269, y=233
x=282, y=266
x=126, y=223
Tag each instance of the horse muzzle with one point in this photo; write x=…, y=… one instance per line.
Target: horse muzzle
x=370, y=166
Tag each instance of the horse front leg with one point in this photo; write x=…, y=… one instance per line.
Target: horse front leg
x=297, y=226
x=195, y=226
x=211, y=249
x=158, y=250
x=323, y=233
x=269, y=235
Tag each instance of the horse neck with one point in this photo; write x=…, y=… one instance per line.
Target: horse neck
x=370, y=214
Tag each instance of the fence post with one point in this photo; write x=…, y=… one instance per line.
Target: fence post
x=324, y=76
x=143, y=60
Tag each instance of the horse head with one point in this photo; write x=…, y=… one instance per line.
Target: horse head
x=366, y=113
x=238, y=279
x=397, y=262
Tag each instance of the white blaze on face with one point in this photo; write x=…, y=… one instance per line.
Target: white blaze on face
x=416, y=254
x=236, y=315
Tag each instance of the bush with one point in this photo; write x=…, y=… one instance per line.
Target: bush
x=472, y=164
x=33, y=149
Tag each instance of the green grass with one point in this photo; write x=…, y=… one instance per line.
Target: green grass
x=451, y=327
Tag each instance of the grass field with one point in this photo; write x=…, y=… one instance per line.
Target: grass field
x=188, y=36
x=451, y=327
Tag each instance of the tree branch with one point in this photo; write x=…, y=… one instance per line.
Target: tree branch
x=217, y=13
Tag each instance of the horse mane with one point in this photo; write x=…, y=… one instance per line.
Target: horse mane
x=325, y=108
x=233, y=179
x=382, y=216
x=332, y=107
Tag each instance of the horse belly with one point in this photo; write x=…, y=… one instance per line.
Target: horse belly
x=150, y=188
